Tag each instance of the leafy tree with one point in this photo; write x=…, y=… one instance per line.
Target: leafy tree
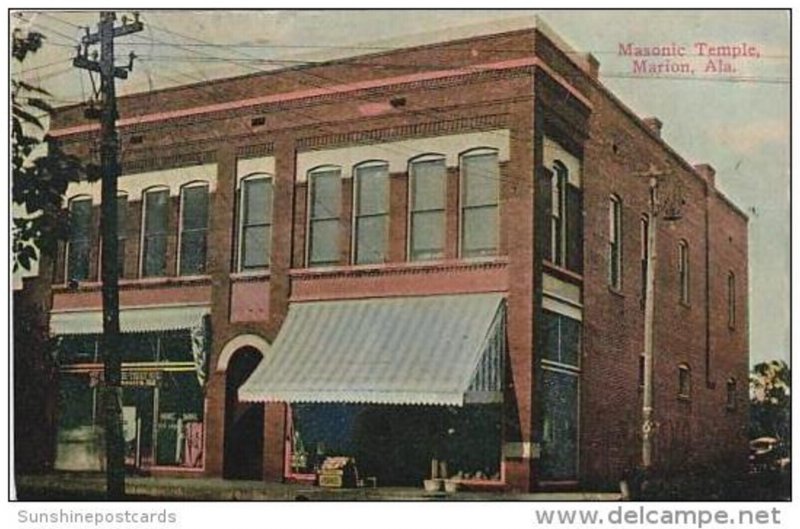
x=41, y=170
x=770, y=400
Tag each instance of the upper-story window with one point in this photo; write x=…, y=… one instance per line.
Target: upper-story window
x=480, y=192
x=255, y=222
x=193, y=229
x=371, y=213
x=427, y=199
x=683, y=271
x=615, y=242
x=731, y=300
x=79, y=243
x=561, y=339
x=325, y=204
x=154, y=233
x=684, y=381
x=122, y=229
x=558, y=239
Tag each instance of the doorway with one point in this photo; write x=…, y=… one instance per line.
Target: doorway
x=244, y=421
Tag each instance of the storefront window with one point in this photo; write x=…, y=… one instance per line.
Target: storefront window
x=179, y=435
x=76, y=401
x=397, y=444
x=162, y=395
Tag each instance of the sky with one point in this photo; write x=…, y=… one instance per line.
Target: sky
x=738, y=121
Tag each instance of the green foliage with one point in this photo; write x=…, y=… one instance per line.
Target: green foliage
x=39, y=175
x=770, y=401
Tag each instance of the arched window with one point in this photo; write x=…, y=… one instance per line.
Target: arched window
x=255, y=221
x=731, y=300
x=731, y=394
x=324, y=210
x=193, y=229
x=615, y=242
x=683, y=271
x=426, y=209
x=371, y=212
x=155, y=214
x=79, y=243
x=480, y=196
x=684, y=381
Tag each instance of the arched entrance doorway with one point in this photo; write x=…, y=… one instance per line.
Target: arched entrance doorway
x=244, y=421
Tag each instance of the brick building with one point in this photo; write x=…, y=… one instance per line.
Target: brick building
x=429, y=253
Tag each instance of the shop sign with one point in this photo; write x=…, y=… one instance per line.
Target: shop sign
x=130, y=378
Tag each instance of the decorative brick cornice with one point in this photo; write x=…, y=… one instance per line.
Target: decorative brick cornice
x=379, y=135
x=255, y=150
x=141, y=165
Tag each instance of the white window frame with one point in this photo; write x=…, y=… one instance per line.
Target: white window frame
x=68, y=244
x=477, y=151
x=196, y=183
x=252, y=177
x=142, y=230
x=354, y=213
x=428, y=157
x=309, y=205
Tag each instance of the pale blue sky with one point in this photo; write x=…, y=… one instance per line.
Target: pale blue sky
x=740, y=127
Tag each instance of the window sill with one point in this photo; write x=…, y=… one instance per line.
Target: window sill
x=561, y=272
x=685, y=399
x=251, y=275
x=138, y=282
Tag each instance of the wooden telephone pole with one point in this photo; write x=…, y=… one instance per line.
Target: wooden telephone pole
x=112, y=361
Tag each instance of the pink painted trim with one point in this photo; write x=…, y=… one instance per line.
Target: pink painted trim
x=330, y=90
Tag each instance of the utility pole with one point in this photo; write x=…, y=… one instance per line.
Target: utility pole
x=670, y=213
x=112, y=361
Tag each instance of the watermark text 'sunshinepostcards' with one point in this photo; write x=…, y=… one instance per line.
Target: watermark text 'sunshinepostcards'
x=642, y=515
x=81, y=518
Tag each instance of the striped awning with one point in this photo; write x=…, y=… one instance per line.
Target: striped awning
x=434, y=350
x=148, y=319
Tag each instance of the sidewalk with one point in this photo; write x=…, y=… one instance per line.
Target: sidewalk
x=91, y=486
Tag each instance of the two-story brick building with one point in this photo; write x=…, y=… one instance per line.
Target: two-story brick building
x=434, y=252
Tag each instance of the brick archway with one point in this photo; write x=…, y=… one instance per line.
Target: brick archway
x=244, y=340
x=244, y=421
